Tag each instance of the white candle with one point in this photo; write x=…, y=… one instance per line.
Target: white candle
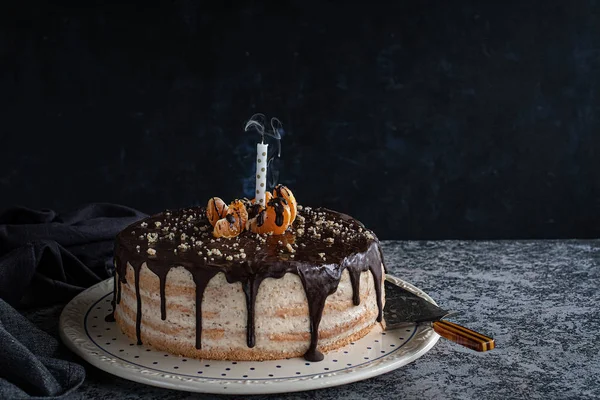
x=261, y=172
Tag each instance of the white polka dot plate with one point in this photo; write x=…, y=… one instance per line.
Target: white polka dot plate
x=84, y=331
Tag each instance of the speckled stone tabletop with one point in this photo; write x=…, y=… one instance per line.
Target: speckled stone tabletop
x=540, y=300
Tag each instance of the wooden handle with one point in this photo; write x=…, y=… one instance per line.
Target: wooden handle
x=463, y=336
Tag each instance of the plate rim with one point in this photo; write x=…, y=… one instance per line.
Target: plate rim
x=73, y=332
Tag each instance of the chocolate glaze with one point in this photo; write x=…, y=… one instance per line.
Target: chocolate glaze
x=317, y=259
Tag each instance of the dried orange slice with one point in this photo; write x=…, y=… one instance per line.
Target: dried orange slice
x=286, y=193
x=238, y=209
x=256, y=219
x=227, y=227
x=234, y=222
x=276, y=218
x=215, y=210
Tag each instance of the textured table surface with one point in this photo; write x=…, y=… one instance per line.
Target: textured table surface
x=539, y=299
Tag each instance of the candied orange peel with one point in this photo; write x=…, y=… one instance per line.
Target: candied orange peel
x=230, y=221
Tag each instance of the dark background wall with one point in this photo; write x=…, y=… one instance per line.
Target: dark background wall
x=423, y=119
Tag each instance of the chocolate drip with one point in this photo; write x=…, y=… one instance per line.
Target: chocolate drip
x=231, y=219
x=111, y=317
x=162, y=282
x=119, y=277
x=260, y=219
x=136, y=262
x=116, y=289
x=201, y=279
x=250, y=285
x=377, y=277
x=318, y=283
x=118, y=293
x=278, y=204
x=355, y=281
x=221, y=212
x=138, y=317
x=250, y=288
x=320, y=277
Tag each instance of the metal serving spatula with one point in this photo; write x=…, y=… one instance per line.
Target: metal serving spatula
x=403, y=307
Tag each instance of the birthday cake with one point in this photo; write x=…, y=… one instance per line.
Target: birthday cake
x=248, y=282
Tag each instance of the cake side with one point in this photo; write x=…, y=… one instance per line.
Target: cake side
x=317, y=257
x=282, y=326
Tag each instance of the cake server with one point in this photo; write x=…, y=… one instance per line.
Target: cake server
x=403, y=307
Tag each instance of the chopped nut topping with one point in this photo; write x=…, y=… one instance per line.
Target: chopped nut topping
x=152, y=237
x=329, y=240
x=290, y=248
x=229, y=258
x=144, y=225
x=183, y=247
x=137, y=248
x=158, y=224
x=183, y=237
x=198, y=243
x=151, y=252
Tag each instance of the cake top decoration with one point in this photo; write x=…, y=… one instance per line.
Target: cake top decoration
x=268, y=213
